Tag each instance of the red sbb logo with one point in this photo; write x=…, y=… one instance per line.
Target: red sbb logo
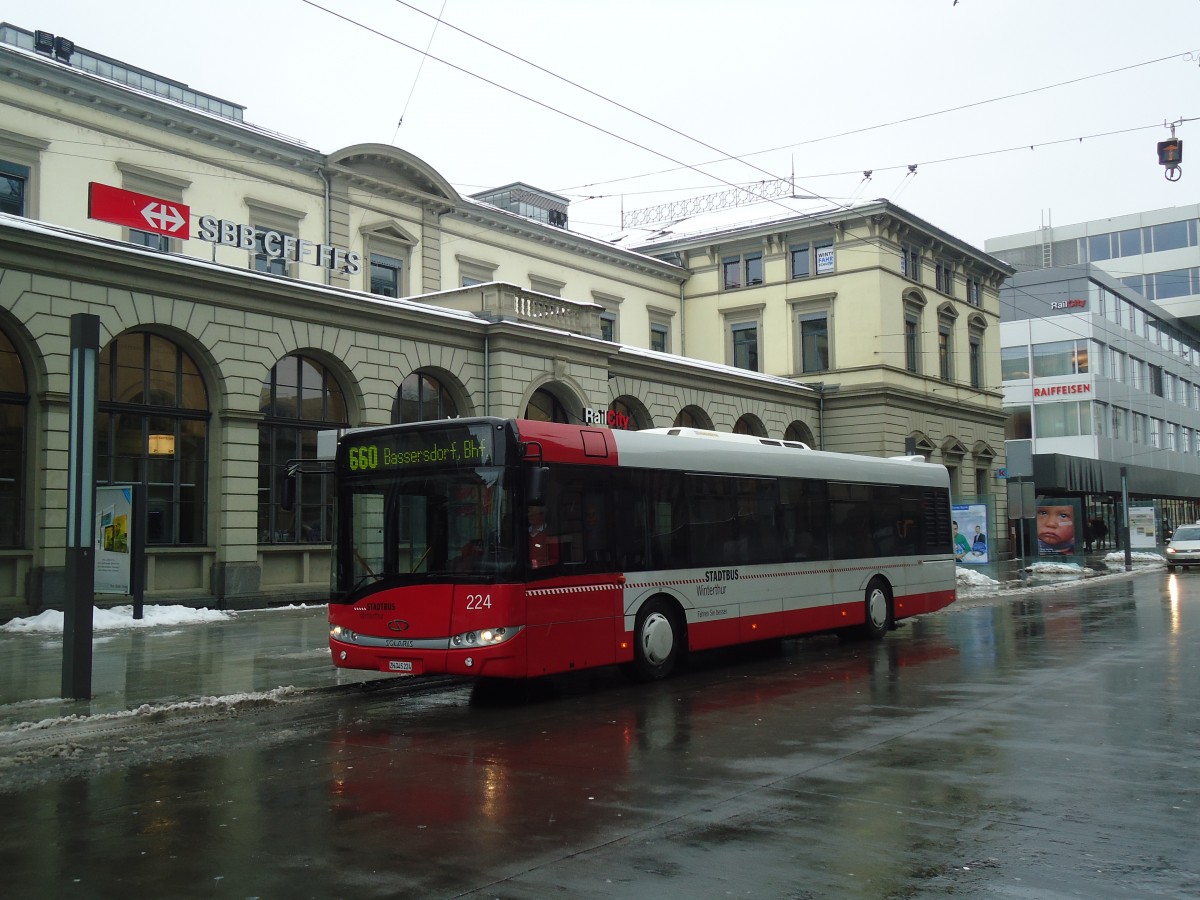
x=140, y=211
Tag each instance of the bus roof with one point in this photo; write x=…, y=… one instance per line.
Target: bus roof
x=698, y=450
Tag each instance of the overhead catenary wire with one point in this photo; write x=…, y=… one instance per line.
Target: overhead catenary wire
x=904, y=121
x=420, y=66
x=725, y=155
x=549, y=107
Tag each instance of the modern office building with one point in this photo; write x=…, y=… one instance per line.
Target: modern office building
x=1106, y=385
x=1139, y=275
x=1155, y=253
x=252, y=291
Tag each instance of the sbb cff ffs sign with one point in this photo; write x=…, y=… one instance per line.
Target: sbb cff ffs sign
x=140, y=211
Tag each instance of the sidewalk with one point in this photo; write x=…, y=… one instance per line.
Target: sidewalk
x=174, y=655
x=181, y=655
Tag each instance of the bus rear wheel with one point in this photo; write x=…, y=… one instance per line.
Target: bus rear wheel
x=657, y=641
x=879, y=610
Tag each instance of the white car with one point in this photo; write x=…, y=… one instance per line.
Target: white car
x=1183, y=548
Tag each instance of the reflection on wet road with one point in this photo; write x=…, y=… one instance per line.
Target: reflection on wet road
x=1044, y=747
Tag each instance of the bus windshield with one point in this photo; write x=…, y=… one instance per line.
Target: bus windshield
x=420, y=525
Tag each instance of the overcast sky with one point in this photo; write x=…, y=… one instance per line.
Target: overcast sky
x=818, y=89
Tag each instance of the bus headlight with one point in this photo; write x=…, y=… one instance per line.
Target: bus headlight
x=484, y=637
x=345, y=635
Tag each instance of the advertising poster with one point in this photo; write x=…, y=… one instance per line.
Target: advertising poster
x=114, y=513
x=1142, y=532
x=970, y=533
x=1058, y=522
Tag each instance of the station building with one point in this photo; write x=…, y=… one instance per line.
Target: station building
x=252, y=291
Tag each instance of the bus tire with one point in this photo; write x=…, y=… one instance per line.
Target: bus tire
x=878, y=610
x=657, y=641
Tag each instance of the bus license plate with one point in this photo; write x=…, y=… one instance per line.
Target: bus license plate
x=400, y=665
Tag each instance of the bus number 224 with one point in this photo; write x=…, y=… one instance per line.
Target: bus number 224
x=479, y=601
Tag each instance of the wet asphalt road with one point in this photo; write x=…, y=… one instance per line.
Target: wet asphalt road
x=1043, y=747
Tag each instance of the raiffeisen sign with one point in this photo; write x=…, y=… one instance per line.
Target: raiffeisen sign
x=146, y=213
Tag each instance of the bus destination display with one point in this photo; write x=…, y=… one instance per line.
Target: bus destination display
x=420, y=448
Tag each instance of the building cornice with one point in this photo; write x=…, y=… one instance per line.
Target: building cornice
x=482, y=215
x=64, y=82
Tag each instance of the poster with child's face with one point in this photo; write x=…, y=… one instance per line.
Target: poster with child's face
x=1056, y=524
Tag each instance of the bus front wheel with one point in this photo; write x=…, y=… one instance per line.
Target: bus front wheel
x=879, y=610
x=657, y=641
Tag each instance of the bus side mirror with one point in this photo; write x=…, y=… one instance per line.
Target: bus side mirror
x=536, y=479
x=291, y=475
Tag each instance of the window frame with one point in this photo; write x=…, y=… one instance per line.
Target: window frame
x=387, y=263
x=25, y=152
x=911, y=261
x=276, y=426
x=739, y=266
x=264, y=217
x=473, y=271
x=737, y=323
x=155, y=184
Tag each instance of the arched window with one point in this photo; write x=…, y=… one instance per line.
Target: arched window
x=14, y=399
x=692, y=417
x=630, y=415
x=798, y=431
x=299, y=398
x=152, y=427
x=422, y=398
x=545, y=407
x=749, y=424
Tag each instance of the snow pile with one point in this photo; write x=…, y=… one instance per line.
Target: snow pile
x=972, y=578
x=118, y=618
x=1058, y=568
x=1117, y=558
x=225, y=703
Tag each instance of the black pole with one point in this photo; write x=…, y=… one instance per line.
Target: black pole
x=137, y=547
x=81, y=510
x=1125, y=518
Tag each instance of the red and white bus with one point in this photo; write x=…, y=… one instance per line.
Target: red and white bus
x=515, y=549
